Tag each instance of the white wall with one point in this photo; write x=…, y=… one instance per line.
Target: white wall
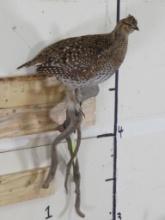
x=27, y=26
x=141, y=179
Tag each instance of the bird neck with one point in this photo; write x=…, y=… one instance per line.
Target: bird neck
x=120, y=31
x=118, y=46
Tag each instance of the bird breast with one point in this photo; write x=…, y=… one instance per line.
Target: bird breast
x=118, y=52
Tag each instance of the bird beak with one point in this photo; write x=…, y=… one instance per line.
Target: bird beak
x=136, y=28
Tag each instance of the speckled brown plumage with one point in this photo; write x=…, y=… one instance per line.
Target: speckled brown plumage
x=86, y=60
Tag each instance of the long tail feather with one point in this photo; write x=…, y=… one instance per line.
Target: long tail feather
x=29, y=63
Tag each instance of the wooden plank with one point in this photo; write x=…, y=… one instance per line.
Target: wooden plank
x=41, y=118
x=30, y=90
x=28, y=105
x=23, y=186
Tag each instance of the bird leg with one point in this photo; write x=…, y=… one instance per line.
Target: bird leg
x=73, y=155
x=74, y=122
x=61, y=128
x=75, y=165
x=76, y=177
x=74, y=98
x=53, y=166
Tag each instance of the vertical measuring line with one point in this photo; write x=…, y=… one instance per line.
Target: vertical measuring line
x=115, y=130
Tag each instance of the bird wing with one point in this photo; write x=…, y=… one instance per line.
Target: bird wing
x=74, y=55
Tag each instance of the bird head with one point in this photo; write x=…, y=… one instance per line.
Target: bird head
x=129, y=24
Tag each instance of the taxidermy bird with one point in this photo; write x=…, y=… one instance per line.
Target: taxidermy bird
x=86, y=60
x=79, y=63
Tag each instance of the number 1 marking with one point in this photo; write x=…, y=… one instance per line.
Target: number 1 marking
x=48, y=212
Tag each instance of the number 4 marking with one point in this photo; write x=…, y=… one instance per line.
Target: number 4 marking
x=47, y=210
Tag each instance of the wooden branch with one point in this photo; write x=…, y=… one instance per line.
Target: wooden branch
x=23, y=186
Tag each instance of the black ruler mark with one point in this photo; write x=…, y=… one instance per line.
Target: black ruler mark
x=106, y=135
x=114, y=213
x=109, y=179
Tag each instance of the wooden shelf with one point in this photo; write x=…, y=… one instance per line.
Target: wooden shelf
x=23, y=186
x=30, y=105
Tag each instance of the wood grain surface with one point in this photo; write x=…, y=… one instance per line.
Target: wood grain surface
x=34, y=104
x=23, y=186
